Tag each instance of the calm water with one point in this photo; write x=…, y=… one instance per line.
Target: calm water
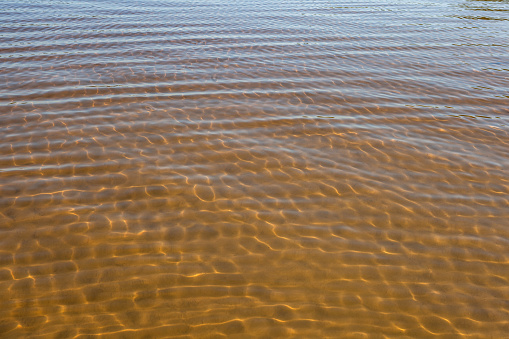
x=215, y=168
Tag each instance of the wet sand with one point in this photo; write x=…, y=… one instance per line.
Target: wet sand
x=213, y=169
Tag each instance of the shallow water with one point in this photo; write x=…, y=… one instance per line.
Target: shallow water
x=254, y=168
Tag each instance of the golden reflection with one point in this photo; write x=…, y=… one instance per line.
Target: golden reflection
x=242, y=170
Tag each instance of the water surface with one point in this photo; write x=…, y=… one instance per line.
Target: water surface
x=208, y=169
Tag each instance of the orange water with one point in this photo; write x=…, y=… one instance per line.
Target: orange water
x=263, y=169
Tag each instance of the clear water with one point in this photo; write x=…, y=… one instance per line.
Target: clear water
x=304, y=169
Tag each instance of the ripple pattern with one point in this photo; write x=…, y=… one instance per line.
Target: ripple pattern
x=213, y=169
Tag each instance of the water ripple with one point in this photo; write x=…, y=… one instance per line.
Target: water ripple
x=254, y=169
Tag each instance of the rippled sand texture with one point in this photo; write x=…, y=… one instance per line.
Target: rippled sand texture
x=209, y=169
